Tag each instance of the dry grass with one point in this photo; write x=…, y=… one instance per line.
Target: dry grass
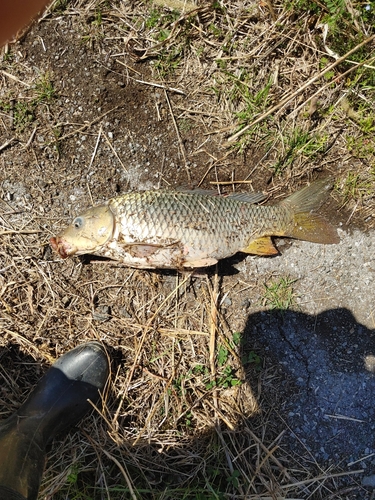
x=181, y=417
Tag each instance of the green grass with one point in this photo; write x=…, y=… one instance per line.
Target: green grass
x=44, y=89
x=23, y=114
x=24, y=110
x=300, y=145
x=279, y=294
x=355, y=187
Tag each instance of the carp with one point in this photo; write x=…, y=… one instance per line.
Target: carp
x=190, y=229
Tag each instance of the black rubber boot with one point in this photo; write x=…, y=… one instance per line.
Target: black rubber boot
x=58, y=402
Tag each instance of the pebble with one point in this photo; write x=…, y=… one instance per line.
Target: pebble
x=369, y=481
x=102, y=314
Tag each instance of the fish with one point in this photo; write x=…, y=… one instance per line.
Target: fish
x=180, y=229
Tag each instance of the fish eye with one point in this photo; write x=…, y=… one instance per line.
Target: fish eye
x=78, y=222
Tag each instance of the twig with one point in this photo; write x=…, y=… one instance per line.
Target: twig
x=171, y=89
x=360, y=459
x=328, y=84
x=7, y=143
x=12, y=77
x=128, y=67
x=155, y=406
x=87, y=125
x=176, y=5
x=217, y=160
x=173, y=33
x=123, y=471
x=180, y=331
x=288, y=98
x=343, y=417
x=220, y=414
x=182, y=147
x=229, y=458
x=198, y=112
x=96, y=147
x=29, y=344
x=115, y=153
x=31, y=137
x=213, y=328
x=229, y=183
x=140, y=346
x=322, y=477
x=20, y=231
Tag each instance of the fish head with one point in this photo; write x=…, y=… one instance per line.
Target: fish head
x=86, y=234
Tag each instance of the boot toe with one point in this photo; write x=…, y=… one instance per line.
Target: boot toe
x=85, y=363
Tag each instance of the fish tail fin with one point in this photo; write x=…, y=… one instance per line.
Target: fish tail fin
x=306, y=225
x=312, y=227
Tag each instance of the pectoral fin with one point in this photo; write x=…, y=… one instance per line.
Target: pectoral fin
x=204, y=262
x=261, y=246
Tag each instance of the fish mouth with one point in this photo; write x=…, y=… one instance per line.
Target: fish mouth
x=62, y=247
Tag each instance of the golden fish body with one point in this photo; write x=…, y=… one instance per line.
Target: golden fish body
x=178, y=229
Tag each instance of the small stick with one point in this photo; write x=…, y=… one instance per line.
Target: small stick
x=213, y=326
x=328, y=84
x=20, y=231
x=182, y=147
x=274, y=459
x=12, y=77
x=155, y=407
x=142, y=341
x=360, y=459
x=217, y=160
x=31, y=138
x=124, y=473
x=213, y=329
x=228, y=183
x=343, y=417
x=29, y=344
x=114, y=152
x=7, y=143
x=87, y=125
x=96, y=146
x=171, y=89
x=197, y=112
x=223, y=417
x=177, y=5
x=128, y=67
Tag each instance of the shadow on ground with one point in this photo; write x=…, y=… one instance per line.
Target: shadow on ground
x=327, y=370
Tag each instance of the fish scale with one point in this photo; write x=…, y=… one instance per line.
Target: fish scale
x=153, y=216
x=188, y=229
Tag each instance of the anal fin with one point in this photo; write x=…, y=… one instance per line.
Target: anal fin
x=261, y=246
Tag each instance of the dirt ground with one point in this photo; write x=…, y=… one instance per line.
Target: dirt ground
x=254, y=379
